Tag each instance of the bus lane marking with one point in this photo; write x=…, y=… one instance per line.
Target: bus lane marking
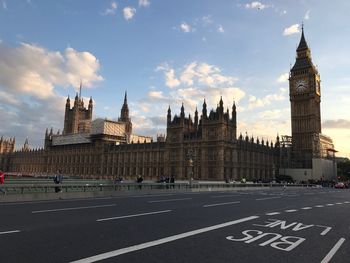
x=161, y=241
x=324, y=232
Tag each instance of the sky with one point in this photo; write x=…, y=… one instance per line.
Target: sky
x=167, y=52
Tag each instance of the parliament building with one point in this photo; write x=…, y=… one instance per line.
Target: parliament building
x=206, y=147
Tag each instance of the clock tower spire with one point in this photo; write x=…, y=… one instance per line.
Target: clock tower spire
x=305, y=98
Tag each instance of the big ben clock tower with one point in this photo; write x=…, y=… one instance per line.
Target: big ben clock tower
x=305, y=98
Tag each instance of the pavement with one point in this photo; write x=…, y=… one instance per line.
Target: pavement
x=262, y=225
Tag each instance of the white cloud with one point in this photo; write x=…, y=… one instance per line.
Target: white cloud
x=185, y=27
x=33, y=70
x=144, y=3
x=4, y=5
x=256, y=5
x=283, y=78
x=156, y=94
x=171, y=80
x=111, y=10
x=207, y=20
x=293, y=29
x=254, y=102
x=129, y=12
x=307, y=15
x=221, y=29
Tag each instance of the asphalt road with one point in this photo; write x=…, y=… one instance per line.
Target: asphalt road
x=271, y=225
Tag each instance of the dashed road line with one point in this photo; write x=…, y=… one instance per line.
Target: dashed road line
x=306, y=208
x=267, y=198
x=290, y=210
x=338, y=203
x=135, y=215
x=221, y=196
x=273, y=213
x=228, y=203
x=329, y=204
x=319, y=205
x=9, y=232
x=169, y=200
x=161, y=241
x=71, y=208
x=334, y=250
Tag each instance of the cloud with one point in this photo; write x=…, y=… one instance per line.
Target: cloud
x=155, y=94
x=144, y=3
x=171, y=80
x=307, y=15
x=29, y=78
x=129, y=12
x=111, y=10
x=254, y=102
x=273, y=114
x=207, y=20
x=4, y=5
x=256, y=5
x=186, y=28
x=293, y=29
x=336, y=124
x=34, y=70
x=283, y=78
x=221, y=29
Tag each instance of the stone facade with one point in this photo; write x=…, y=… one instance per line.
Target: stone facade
x=204, y=149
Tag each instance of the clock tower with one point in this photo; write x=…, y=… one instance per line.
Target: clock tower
x=305, y=98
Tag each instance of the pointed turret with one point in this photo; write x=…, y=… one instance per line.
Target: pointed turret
x=182, y=114
x=124, y=116
x=302, y=44
x=204, y=110
x=169, y=116
x=196, y=118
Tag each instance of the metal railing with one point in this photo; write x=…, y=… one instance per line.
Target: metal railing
x=33, y=188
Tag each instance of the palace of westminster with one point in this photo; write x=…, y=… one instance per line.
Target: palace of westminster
x=205, y=148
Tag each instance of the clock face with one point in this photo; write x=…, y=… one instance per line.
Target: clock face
x=300, y=85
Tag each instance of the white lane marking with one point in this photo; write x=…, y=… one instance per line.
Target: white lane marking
x=138, y=196
x=229, y=203
x=267, y=198
x=306, y=208
x=338, y=203
x=220, y=196
x=9, y=232
x=56, y=201
x=309, y=193
x=272, y=213
x=346, y=202
x=290, y=211
x=324, y=232
x=329, y=204
x=135, y=215
x=334, y=250
x=169, y=200
x=161, y=241
x=71, y=208
x=319, y=205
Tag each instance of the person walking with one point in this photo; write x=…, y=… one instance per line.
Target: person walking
x=58, y=180
x=139, y=181
x=2, y=181
x=172, y=181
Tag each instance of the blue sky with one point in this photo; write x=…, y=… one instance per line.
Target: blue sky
x=168, y=52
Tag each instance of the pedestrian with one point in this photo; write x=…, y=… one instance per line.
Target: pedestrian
x=172, y=181
x=139, y=181
x=58, y=180
x=2, y=181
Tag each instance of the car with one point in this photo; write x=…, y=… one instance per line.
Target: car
x=340, y=185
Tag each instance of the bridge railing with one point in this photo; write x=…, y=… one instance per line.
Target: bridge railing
x=100, y=187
